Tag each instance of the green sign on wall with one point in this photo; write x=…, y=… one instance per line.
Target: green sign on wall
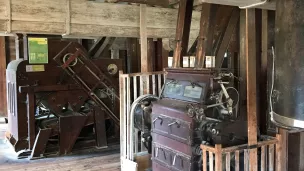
x=38, y=50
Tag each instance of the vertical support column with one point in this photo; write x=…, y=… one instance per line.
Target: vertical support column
x=251, y=86
x=18, y=46
x=25, y=47
x=3, y=103
x=133, y=61
x=263, y=74
x=284, y=146
x=31, y=119
x=182, y=31
x=146, y=66
x=242, y=66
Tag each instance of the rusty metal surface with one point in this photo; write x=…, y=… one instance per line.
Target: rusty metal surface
x=70, y=127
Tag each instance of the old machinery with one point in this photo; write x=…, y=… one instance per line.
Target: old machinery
x=286, y=90
x=195, y=107
x=68, y=103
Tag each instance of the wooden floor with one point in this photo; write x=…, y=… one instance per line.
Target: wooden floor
x=93, y=160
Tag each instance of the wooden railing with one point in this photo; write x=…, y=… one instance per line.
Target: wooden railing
x=237, y=157
x=131, y=87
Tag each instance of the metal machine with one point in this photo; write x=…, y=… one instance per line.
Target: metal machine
x=286, y=83
x=195, y=107
x=68, y=103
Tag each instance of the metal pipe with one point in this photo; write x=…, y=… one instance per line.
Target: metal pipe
x=254, y=5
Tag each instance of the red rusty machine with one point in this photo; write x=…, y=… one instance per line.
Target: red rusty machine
x=68, y=103
x=195, y=107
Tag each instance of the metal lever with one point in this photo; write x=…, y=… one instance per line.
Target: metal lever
x=160, y=118
x=175, y=122
x=156, y=153
x=174, y=159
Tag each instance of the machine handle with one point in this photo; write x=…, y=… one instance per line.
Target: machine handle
x=156, y=153
x=158, y=118
x=175, y=122
x=174, y=159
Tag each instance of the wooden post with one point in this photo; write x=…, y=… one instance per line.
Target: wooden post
x=3, y=103
x=242, y=66
x=284, y=146
x=263, y=101
x=279, y=158
x=31, y=119
x=218, y=157
x=251, y=86
x=133, y=60
x=145, y=65
x=182, y=31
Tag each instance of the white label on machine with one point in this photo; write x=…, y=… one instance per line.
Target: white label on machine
x=210, y=61
x=34, y=68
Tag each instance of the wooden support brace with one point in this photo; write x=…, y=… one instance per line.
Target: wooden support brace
x=205, y=38
x=225, y=39
x=40, y=143
x=100, y=127
x=31, y=119
x=182, y=31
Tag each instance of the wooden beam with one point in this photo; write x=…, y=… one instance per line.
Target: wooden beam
x=226, y=37
x=242, y=66
x=251, y=86
x=3, y=104
x=264, y=99
x=146, y=66
x=90, y=19
x=133, y=59
x=182, y=31
x=205, y=38
x=284, y=152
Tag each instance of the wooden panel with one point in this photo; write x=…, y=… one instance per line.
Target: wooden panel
x=38, y=10
x=89, y=18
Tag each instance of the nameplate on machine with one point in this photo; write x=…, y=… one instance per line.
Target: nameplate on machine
x=34, y=68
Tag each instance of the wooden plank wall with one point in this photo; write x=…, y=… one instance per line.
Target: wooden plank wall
x=87, y=18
